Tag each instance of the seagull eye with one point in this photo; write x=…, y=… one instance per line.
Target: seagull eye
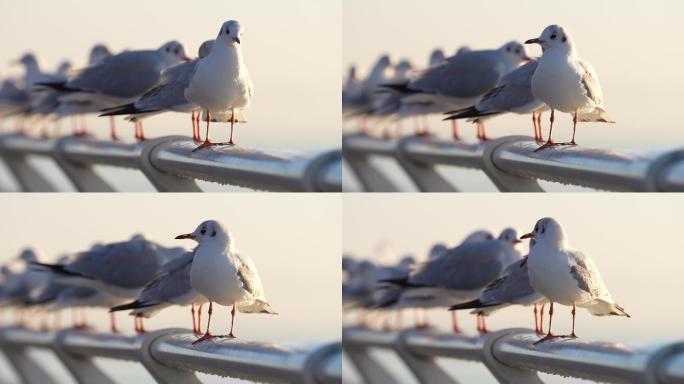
x=213, y=234
x=203, y=231
x=508, y=49
x=517, y=51
x=175, y=51
x=553, y=37
x=228, y=31
x=565, y=38
x=168, y=49
x=543, y=229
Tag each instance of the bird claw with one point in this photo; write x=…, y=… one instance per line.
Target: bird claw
x=207, y=336
x=548, y=144
x=548, y=337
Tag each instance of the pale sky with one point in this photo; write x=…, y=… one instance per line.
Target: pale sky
x=294, y=240
x=635, y=240
x=292, y=50
x=634, y=46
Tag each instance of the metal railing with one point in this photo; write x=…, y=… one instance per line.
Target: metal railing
x=512, y=357
x=169, y=356
x=170, y=165
x=512, y=164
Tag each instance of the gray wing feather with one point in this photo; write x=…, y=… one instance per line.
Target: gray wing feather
x=167, y=287
x=590, y=82
x=513, y=286
x=514, y=91
x=125, y=75
x=129, y=264
x=468, y=75
x=582, y=270
x=171, y=89
x=466, y=267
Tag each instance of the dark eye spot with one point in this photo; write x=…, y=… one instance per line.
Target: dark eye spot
x=536, y=228
x=168, y=49
x=213, y=234
x=553, y=36
x=565, y=38
x=517, y=51
x=227, y=31
x=543, y=229
x=203, y=231
x=175, y=51
x=508, y=49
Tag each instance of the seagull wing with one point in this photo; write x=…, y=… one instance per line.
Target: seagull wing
x=590, y=82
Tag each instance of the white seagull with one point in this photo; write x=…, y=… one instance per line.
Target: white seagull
x=223, y=275
x=566, y=276
x=220, y=81
x=566, y=82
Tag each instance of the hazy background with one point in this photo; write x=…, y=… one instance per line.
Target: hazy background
x=634, y=239
x=291, y=48
x=634, y=47
x=293, y=239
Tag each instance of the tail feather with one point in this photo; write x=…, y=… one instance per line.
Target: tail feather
x=132, y=305
x=55, y=268
x=605, y=308
x=258, y=306
x=60, y=86
x=474, y=304
x=127, y=109
x=467, y=113
x=401, y=88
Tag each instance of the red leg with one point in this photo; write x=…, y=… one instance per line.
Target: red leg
x=142, y=326
x=541, y=319
x=484, y=135
x=112, y=128
x=549, y=142
x=539, y=125
x=454, y=129
x=574, y=311
x=549, y=335
x=232, y=322
x=454, y=322
x=206, y=142
x=536, y=320
x=232, y=122
x=192, y=312
x=574, y=128
x=536, y=128
x=207, y=334
x=112, y=323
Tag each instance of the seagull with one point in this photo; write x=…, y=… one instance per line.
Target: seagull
x=170, y=287
x=513, y=287
x=459, y=275
x=223, y=275
x=566, y=276
x=167, y=95
x=220, y=81
x=461, y=80
x=121, y=78
x=120, y=269
x=437, y=57
x=512, y=94
x=566, y=82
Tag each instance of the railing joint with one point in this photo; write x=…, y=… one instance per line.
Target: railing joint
x=657, y=170
x=423, y=367
x=162, y=373
x=658, y=361
x=82, y=368
x=504, y=181
x=163, y=181
x=503, y=373
x=82, y=176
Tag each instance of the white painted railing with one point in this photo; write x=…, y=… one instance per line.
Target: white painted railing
x=512, y=357
x=169, y=356
x=170, y=165
x=512, y=164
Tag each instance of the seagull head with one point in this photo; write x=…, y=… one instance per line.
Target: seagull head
x=514, y=54
x=554, y=37
x=383, y=63
x=28, y=60
x=173, y=52
x=28, y=255
x=205, y=48
x=477, y=236
x=230, y=33
x=98, y=53
x=208, y=231
x=437, y=57
x=509, y=236
x=547, y=231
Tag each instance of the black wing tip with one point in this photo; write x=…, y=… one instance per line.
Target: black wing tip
x=56, y=268
x=474, y=304
x=126, y=109
x=468, y=113
x=402, y=88
x=58, y=86
x=132, y=305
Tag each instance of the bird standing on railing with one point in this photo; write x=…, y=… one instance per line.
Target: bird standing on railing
x=168, y=95
x=220, y=82
x=566, y=82
x=171, y=287
x=458, y=275
x=512, y=288
x=223, y=275
x=566, y=276
x=120, y=269
x=121, y=78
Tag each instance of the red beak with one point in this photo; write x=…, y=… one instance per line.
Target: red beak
x=187, y=58
x=517, y=241
x=527, y=236
x=186, y=236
